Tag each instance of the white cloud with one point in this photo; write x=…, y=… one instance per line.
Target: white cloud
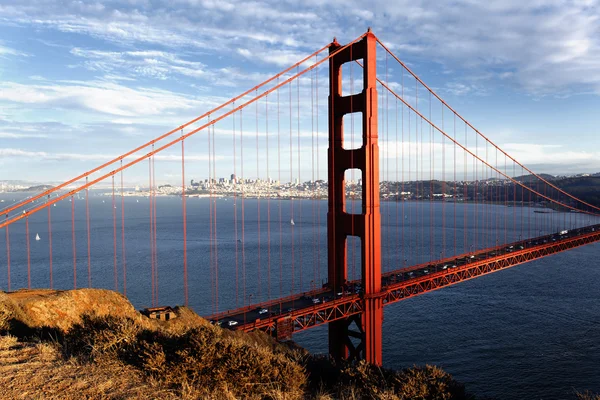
x=7, y=51
x=150, y=63
x=544, y=46
x=50, y=156
x=10, y=135
x=107, y=98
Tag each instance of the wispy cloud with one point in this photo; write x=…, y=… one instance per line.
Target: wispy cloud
x=10, y=135
x=103, y=97
x=58, y=156
x=149, y=63
x=7, y=51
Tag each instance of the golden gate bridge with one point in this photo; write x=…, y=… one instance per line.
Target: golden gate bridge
x=379, y=126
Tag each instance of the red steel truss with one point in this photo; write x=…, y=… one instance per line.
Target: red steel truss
x=346, y=308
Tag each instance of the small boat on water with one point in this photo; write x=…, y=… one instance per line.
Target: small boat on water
x=37, y=236
x=541, y=212
x=292, y=222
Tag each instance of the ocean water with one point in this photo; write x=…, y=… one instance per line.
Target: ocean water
x=530, y=332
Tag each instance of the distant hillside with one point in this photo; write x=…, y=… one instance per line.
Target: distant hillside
x=37, y=188
x=586, y=188
x=532, y=178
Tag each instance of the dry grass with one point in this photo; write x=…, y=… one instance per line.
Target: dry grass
x=62, y=309
x=35, y=371
x=200, y=358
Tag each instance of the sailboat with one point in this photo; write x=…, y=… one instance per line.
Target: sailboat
x=292, y=222
x=37, y=236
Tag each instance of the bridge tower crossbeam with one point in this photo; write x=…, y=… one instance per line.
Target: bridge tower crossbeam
x=367, y=225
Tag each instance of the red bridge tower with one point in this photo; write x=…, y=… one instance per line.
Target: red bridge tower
x=367, y=225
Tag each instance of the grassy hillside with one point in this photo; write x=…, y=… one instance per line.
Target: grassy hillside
x=93, y=344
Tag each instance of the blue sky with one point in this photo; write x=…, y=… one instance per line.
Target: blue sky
x=81, y=82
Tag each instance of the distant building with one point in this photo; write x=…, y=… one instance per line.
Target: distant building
x=164, y=313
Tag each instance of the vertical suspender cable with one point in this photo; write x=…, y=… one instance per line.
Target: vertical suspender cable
x=476, y=194
x=215, y=226
x=455, y=194
x=268, y=200
x=235, y=213
x=485, y=171
x=299, y=177
x=123, y=257
x=73, y=241
x=89, y=244
x=399, y=245
x=114, y=214
x=151, y=230
x=210, y=225
x=291, y=184
x=280, y=201
x=7, y=256
x=312, y=165
x=422, y=205
x=409, y=162
x=431, y=167
x=443, y=252
x=389, y=152
x=243, y=182
x=497, y=228
x=417, y=205
x=50, y=244
x=154, y=234
x=258, y=266
x=184, y=215
x=28, y=253
x=465, y=196
x=352, y=197
x=514, y=204
x=431, y=188
x=318, y=170
x=506, y=204
x=401, y=198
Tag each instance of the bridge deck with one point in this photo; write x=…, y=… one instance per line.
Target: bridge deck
x=314, y=308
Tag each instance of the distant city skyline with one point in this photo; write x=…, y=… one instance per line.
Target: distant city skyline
x=85, y=82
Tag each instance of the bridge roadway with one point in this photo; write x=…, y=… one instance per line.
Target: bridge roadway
x=284, y=316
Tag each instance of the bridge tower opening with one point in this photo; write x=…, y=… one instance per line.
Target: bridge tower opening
x=367, y=225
